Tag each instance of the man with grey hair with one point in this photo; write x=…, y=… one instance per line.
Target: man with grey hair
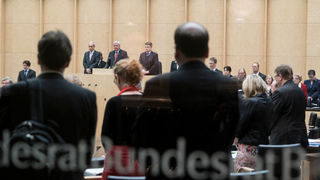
x=116, y=55
x=289, y=104
x=6, y=81
x=91, y=58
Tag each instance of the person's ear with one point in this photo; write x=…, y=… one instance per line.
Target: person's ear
x=207, y=55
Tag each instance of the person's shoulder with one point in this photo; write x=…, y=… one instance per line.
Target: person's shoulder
x=124, y=51
x=161, y=77
x=154, y=53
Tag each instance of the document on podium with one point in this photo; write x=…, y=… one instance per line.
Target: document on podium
x=102, y=71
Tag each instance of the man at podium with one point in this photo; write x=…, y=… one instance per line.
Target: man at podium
x=116, y=55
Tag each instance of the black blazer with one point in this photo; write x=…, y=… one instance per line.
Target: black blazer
x=288, y=124
x=262, y=76
x=121, y=55
x=218, y=71
x=201, y=100
x=255, y=116
x=31, y=74
x=71, y=107
x=94, y=60
x=174, y=66
x=101, y=64
x=150, y=63
x=314, y=90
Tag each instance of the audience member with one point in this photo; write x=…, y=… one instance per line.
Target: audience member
x=242, y=74
x=90, y=58
x=274, y=86
x=7, y=81
x=116, y=55
x=204, y=108
x=297, y=78
x=312, y=86
x=74, y=79
x=26, y=73
x=174, y=66
x=241, y=98
x=149, y=60
x=254, y=122
x=255, y=69
x=119, y=119
x=101, y=63
x=227, y=71
x=69, y=109
x=213, y=65
x=288, y=124
x=269, y=80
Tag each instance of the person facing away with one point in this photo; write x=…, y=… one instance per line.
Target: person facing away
x=255, y=70
x=90, y=58
x=254, y=120
x=26, y=73
x=149, y=60
x=199, y=101
x=313, y=86
x=213, y=65
x=116, y=55
x=289, y=104
x=119, y=118
x=67, y=108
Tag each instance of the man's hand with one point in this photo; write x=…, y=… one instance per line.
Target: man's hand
x=88, y=71
x=235, y=142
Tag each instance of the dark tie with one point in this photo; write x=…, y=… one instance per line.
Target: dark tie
x=25, y=73
x=148, y=54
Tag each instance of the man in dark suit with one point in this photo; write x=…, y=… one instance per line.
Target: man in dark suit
x=116, y=55
x=149, y=60
x=101, y=62
x=174, y=66
x=313, y=86
x=213, y=65
x=201, y=119
x=26, y=73
x=288, y=124
x=71, y=109
x=255, y=69
x=90, y=58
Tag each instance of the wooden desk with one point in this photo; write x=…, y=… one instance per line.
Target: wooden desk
x=102, y=84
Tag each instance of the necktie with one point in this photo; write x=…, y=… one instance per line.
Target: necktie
x=148, y=54
x=115, y=57
x=25, y=73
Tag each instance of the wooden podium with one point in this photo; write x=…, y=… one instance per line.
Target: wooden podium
x=101, y=82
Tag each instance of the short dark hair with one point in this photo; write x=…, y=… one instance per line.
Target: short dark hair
x=192, y=40
x=228, y=68
x=285, y=71
x=213, y=59
x=148, y=43
x=54, y=49
x=311, y=72
x=28, y=63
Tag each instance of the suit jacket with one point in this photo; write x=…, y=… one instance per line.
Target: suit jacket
x=218, y=71
x=72, y=108
x=101, y=64
x=262, y=76
x=313, y=91
x=288, y=124
x=174, y=66
x=31, y=74
x=121, y=55
x=87, y=63
x=150, y=63
x=204, y=108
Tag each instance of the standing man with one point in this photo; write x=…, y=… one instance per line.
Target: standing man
x=26, y=73
x=203, y=109
x=313, y=86
x=91, y=58
x=149, y=60
x=255, y=69
x=70, y=109
x=289, y=104
x=116, y=55
x=213, y=65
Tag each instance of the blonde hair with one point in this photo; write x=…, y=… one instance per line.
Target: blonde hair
x=73, y=79
x=299, y=76
x=130, y=71
x=253, y=85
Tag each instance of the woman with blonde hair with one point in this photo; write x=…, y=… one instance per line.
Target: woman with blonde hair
x=254, y=121
x=119, y=119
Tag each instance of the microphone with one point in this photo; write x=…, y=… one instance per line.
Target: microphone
x=95, y=87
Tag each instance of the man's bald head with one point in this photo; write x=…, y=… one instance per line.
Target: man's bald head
x=192, y=39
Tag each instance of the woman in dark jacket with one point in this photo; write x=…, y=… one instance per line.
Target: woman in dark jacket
x=254, y=122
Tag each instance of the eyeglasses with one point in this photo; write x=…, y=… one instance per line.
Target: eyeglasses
x=90, y=46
